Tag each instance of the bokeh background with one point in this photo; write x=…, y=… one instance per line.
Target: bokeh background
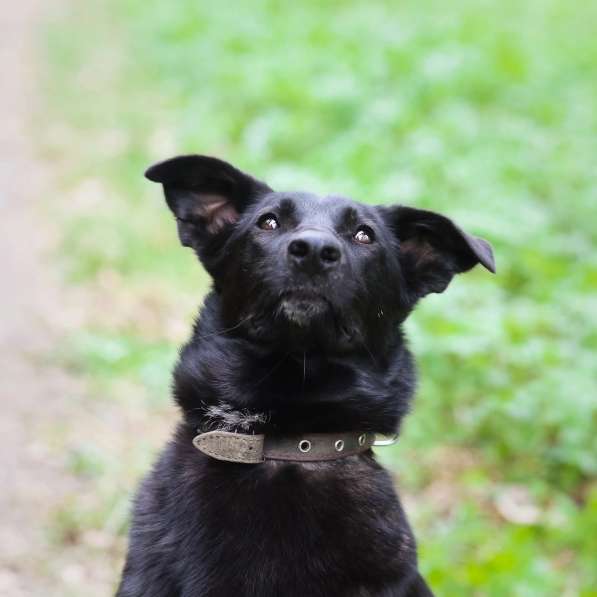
x=484, y=110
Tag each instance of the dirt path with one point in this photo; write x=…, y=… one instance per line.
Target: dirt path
x=34, y=394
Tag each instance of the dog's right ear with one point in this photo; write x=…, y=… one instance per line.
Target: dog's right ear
x=205, y=194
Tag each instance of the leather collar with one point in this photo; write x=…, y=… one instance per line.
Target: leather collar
x=310, y=447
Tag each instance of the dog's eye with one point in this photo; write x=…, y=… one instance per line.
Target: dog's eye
x=364, y=235
x=268, y=222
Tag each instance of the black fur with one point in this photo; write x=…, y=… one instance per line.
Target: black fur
x=291, y=339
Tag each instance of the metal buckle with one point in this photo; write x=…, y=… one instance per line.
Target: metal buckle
x=386, y=442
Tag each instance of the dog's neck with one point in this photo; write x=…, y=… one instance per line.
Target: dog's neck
x=225, y=381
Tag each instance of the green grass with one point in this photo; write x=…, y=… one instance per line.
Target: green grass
x=482, y=110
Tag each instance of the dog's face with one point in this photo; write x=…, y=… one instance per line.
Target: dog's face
x=311, y=272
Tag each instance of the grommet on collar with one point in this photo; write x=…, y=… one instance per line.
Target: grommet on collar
x=304, y=446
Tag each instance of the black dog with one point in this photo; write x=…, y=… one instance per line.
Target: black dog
x=298, y=344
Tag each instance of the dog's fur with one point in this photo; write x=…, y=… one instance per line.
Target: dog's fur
x=286, y=344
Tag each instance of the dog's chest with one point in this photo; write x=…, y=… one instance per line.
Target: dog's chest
x=284, y=526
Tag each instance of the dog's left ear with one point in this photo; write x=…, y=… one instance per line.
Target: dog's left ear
x=432, y=249
x=206, y=195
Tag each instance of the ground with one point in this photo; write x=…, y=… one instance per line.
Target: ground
x=37, y=394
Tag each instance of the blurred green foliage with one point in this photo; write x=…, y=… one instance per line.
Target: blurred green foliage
x=483, y=110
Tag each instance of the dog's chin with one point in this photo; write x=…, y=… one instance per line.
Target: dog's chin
x=304, y=311
x=303, y=320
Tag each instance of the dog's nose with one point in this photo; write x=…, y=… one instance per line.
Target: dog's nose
x=314, y=251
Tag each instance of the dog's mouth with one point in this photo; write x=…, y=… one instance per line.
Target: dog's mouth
x=303, y=306
x=303, y=318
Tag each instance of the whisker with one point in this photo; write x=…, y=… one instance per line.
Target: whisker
x=369, y=352
x=226, y=330
x=304, y=369
x=270, y=371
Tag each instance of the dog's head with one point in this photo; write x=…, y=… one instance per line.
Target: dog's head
x=317, y=273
